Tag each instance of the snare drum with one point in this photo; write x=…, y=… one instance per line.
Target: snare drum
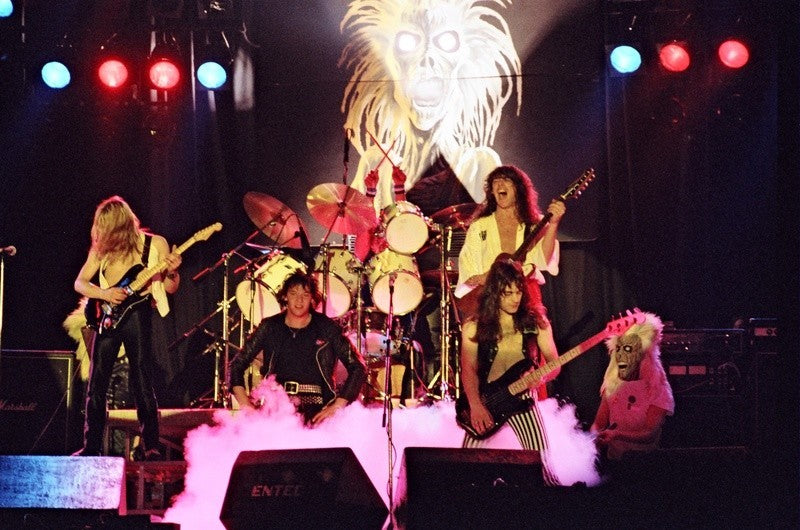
x=342, y=280
x=405, y=228
x=408, y=292
x=258, y=297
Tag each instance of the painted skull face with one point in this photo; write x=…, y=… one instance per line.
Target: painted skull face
x=628, y=354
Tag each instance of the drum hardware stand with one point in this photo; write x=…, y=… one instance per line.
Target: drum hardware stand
x=445, y=306
x=222, y=397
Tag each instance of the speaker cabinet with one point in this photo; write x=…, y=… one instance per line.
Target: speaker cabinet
x=468, y=488
x=35, y=402
x=301, y=488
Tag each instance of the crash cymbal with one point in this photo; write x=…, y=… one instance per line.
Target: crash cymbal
x=276, y=220
x=456, y=216
x=341, y=209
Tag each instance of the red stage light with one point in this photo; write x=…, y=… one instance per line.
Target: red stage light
x=674, y=57
x=733, y=53
x=164, y=74
x=113, y=73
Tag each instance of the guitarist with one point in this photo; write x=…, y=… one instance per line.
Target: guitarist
x=510, y=327
x=501, y=226
x=119, y=245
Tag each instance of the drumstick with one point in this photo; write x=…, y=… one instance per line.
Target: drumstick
x=385, y=153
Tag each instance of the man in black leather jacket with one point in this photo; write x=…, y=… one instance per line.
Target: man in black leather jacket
x=301, y=347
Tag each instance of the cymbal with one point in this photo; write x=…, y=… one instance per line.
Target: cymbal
x=341, y=209
x=276, y=220
x=456, y=216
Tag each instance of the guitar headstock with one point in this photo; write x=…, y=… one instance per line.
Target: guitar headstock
x=624, y=323
x=205, y=233
x=579, y=185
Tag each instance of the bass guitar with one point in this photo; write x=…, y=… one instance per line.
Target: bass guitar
x=467, y=303
x=102, y=315
x=507, y=394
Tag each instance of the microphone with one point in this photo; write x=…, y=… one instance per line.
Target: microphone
x=10, y=250
x=347, y=132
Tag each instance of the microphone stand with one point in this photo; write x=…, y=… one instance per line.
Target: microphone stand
x=221, y=394
x=2, y=293
x=387, y=379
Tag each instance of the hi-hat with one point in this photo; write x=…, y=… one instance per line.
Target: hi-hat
x=276, y=220
x=341, y=209
x=456, y=216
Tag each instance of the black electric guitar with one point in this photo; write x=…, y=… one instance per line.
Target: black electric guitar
x=467, y=304
x=102, y=315
x=507, y=394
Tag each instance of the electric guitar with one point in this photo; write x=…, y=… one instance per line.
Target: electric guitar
x=102, y=315
x=467, y=303
x=507, y=394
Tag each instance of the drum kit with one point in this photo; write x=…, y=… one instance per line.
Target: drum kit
x=364, y=297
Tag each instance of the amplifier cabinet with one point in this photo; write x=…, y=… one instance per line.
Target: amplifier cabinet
x=35, y=401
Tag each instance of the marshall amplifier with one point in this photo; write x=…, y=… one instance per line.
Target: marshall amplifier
x=35, y=401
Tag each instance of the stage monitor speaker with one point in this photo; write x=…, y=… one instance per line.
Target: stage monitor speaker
x=35, y=402
x=301, y=488
x=470, y=488
x=53, y=490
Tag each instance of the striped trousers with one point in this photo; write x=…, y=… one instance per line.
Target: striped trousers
x=529, y=430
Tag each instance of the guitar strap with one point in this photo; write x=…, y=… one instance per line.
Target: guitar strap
x=146, y=250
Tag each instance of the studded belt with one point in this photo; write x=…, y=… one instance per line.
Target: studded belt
x=293, y=387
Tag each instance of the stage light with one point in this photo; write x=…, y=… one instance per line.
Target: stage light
x=58, y=67
x=164, y=67
x=113, y=73
x=114, y=66
x=6, y=8
x=674, y=57
x=214, y=59
x=56, y=74
x=625, y=59
x=733, y=53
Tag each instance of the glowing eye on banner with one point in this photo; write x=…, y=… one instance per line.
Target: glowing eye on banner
x=113, y=73
x=625, y=59
x=447, y=41
x=6, y=8
x=733, y=54
x=406, y=42
x=212, y=75
x=56, y=75
x=164, y=75
x=674, y=57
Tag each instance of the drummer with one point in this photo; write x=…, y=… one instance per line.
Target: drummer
x=301, y=348
x=370, y=243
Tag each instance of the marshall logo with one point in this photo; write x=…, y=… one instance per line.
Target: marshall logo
x=276, y=490
x=6, y=405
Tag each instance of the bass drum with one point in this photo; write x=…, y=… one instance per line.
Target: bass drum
x=388, y=267
x=342, y=280
x=258, y=297
x=373, y=332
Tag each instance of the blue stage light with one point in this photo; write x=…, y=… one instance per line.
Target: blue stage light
x=625, y=59
x=212, y=75
x=56, y=75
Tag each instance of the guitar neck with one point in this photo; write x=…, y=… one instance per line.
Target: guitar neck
x=530, y=239
x=147, y=274
x=524, y=382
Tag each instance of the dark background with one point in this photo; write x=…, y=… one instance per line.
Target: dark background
x=692, y=215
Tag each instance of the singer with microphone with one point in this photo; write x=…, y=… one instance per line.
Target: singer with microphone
x=301, y=348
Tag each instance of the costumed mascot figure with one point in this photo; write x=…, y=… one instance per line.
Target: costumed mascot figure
x=635, y=395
